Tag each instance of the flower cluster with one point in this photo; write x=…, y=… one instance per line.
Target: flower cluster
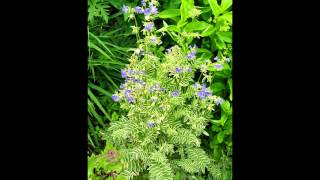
x=180, y=69
x=193, y=51
x=204, y=92
x=148, y=26
x=131, y=72
x=156, y=88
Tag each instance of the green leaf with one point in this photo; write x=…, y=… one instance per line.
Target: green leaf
x=208, y=31
x=169, y=13
x=171, y=4
x=117, y=3
x=217, y=87
x=104, y=15
x=225, y=106
x=227, y=17
x=96, y=101
x=91, y=164
x=223, y=119
x=219, y=43
x=225, y=36
x=230, y=88
x=114, y=116
x=216, y=128
x=173, y=28
x=197, y=26
x=206, y=55
x=225, y=4
x=215, y=7
x=220, y=136
x=185, y=9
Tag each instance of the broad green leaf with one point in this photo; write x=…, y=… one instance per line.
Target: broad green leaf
x=216, y=128
x=203, y=50
x=220, y=137
x=217, y=87
x=225, y=106
x=197, y=26
x=207, y=32
x=225, y=4
x=223, y=119
x=185, y=9
x=230, y=88
x=169, y=13
x=219, y=43
x=225, y=36
x=215, y=7
x=170, y=4
x=173, y=28
x=206, y=55
x=227, y=16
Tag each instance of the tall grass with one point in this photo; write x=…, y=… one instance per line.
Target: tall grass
x=109, y=39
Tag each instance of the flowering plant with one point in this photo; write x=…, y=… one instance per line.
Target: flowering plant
x=167, y=110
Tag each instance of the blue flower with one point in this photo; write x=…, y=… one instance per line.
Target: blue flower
x=127, y=93
x=163, y=89
x=203, y=93
x=216, y=58
x=153, y=9
x=122, y=86
x=143, y=3
x=175, y=93
x=194, y=48
x=125, y=8
x=115, y=97
x=178, y=70
x=190, y=69
x=147, y=11
x=218, y=101
x=138, y=10
x=196, y=85
x=193, y=51
x=130, y=72
x=218, y=66
x=191, y=55
x=130, y=99
x=148, y=27
x=151, y=89
x=228, y=60
x=150, y=124
x=153, y=40
x=123, y=73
